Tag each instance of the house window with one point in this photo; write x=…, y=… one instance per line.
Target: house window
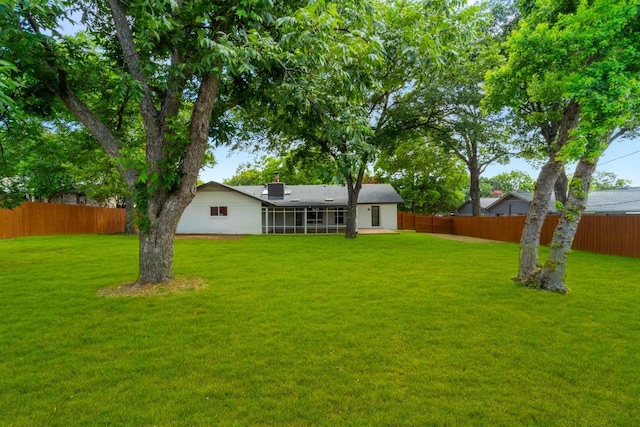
x=314, y=216
x=218, y=211
x=339, y=216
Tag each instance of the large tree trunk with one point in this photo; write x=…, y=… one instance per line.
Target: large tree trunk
x=165, y=209
x=161, y=199
x=156, y=254
x=157, y=240
x=553, y=273
x=352, y=213
x=474, y=187
x=353, y=191
x=530, y=240
x=165, y=201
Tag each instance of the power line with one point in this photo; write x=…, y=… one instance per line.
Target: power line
x=618, y=158
x=612, y=204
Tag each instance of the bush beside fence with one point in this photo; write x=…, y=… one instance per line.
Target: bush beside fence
x=39, y=219
x=606, y=234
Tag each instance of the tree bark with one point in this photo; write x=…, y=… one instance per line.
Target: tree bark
x=166, y=208
x=554, y=271
x=156, y=252
x=529, y=267
x=160, y=202
x=560, y=188
x=353, y=191
x=165, y=202
x=530, y=239
x=552, y=276
x=129, y=228
x=474, y=187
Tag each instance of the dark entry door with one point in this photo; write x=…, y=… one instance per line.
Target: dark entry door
x=375, y=216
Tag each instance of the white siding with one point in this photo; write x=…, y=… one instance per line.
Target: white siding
x=388, y=216
x=244, y=214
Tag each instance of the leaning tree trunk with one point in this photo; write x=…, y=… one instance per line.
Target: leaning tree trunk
x=530, y=239
x=529, y=266
x=553, y=273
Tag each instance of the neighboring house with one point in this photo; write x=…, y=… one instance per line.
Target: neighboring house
x=288, y=209
x=516, y=203
x=71, y=197
x=466, y=209
x=623, y=201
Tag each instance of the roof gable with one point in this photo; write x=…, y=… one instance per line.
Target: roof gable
x=523, y=196
x=485, y=202
x=216, y=186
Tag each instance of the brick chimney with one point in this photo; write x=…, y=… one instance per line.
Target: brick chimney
x=275, y=190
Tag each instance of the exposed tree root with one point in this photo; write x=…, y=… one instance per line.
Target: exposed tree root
x=179, y=285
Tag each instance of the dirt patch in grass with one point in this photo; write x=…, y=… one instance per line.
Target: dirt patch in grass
x=465, y=239
x=179, y=285
x=210, y=236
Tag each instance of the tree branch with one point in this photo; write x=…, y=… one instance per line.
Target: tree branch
x=199, y=131
x=132, y=59
x=79, y=109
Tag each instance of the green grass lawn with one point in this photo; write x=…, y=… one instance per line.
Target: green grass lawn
x=404, y=329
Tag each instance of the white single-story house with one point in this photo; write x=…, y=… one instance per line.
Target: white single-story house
x=288, y=209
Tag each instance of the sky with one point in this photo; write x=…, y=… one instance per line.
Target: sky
x=621, y=158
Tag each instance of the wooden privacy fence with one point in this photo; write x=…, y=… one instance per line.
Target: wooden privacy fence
x=39, y=219
x=425, y=223
x=606, y=234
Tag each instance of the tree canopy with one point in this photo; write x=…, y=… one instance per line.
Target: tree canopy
x=428, y=178
x=290, y=170
x=506, y=182
x=173, y=68
x=365, y=87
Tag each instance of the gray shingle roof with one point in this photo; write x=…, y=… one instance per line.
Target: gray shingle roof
x=485, y=202
x=318, y=195
x=623, y=200
x=614, y=201
x=525, y=196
